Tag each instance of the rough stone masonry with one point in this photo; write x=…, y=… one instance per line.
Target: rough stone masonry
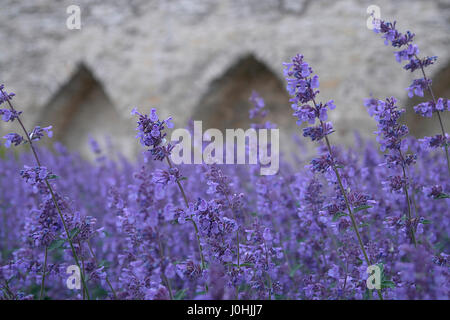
x=200, y=59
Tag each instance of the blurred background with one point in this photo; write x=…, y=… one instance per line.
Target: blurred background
x=201, y=59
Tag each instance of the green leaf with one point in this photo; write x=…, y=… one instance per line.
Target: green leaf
x=56, y=244
x=52, y=176
x=424, y=221
x=365, y=224
x=104, y=263
x=300, y=240
x=387, y=284
x=180, y=294
x=442, y=196
x=355, y=210
x=183, y=178
x=338, y=215
x=358, y=261
x=246, y=264
x=294, y=270
x=74, y=232
x=254, y=214
x=367, y=294
x=99, y=292
x=339, y=166
x=381, y=266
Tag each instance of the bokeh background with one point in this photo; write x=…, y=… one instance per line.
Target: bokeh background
x=200, y=60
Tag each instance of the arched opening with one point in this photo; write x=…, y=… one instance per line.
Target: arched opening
x=227, y=105
x=81, y=109
x=421, y=126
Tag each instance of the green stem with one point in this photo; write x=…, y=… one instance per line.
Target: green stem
x=267, y=273
x=107, y=279
x=347, y=203
x=193, y=222
x=84, y=270
x=51, y=191
x=352, y=217
x=238, y=262
x=44, y=274
x=96, y=262
x=74, y=253
x=7, y=291
x=405, y=190
x=161, y=254
x=441, y=123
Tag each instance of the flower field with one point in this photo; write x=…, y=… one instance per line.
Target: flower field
x=156, y=230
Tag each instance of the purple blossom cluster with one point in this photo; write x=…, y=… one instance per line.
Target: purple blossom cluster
x=426, y=109
x=302, y=85
x=410, y=53
x=399, y=40
x=153, y=230
x=292, y=241
x=151, y=134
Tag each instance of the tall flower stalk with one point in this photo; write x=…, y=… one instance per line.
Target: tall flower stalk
x=36, y=134
x=151, y=134
x=390, y=136
x=410, y=53
x=302, y=85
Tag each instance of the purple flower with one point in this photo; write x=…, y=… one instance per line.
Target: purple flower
x=396, y=183
x=166, y=176
x=35, y=175
x=305, y=113
x=406, y=54
x=358, y=199
x=315, y=82
x=151, y=134
x=298, y=84
x=319, y=132
x=267, y=235
x=442, y=104
x=435, y=191
x=398, y=40
x=9, y=115
x=301, y=86
x=95, y=147
x=13, y=138
x=5, y=96
x=386, y=113
x=322, y=163
x=415, y=63
x=258, y=106
x=418, y=86
x=437, y=141
x=38, y=133
x=202, y=205
x=425, y=109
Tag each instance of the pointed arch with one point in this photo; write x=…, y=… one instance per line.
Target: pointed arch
x=81, y=109
x=226, y=104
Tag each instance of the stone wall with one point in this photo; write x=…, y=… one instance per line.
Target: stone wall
x=179, y=56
